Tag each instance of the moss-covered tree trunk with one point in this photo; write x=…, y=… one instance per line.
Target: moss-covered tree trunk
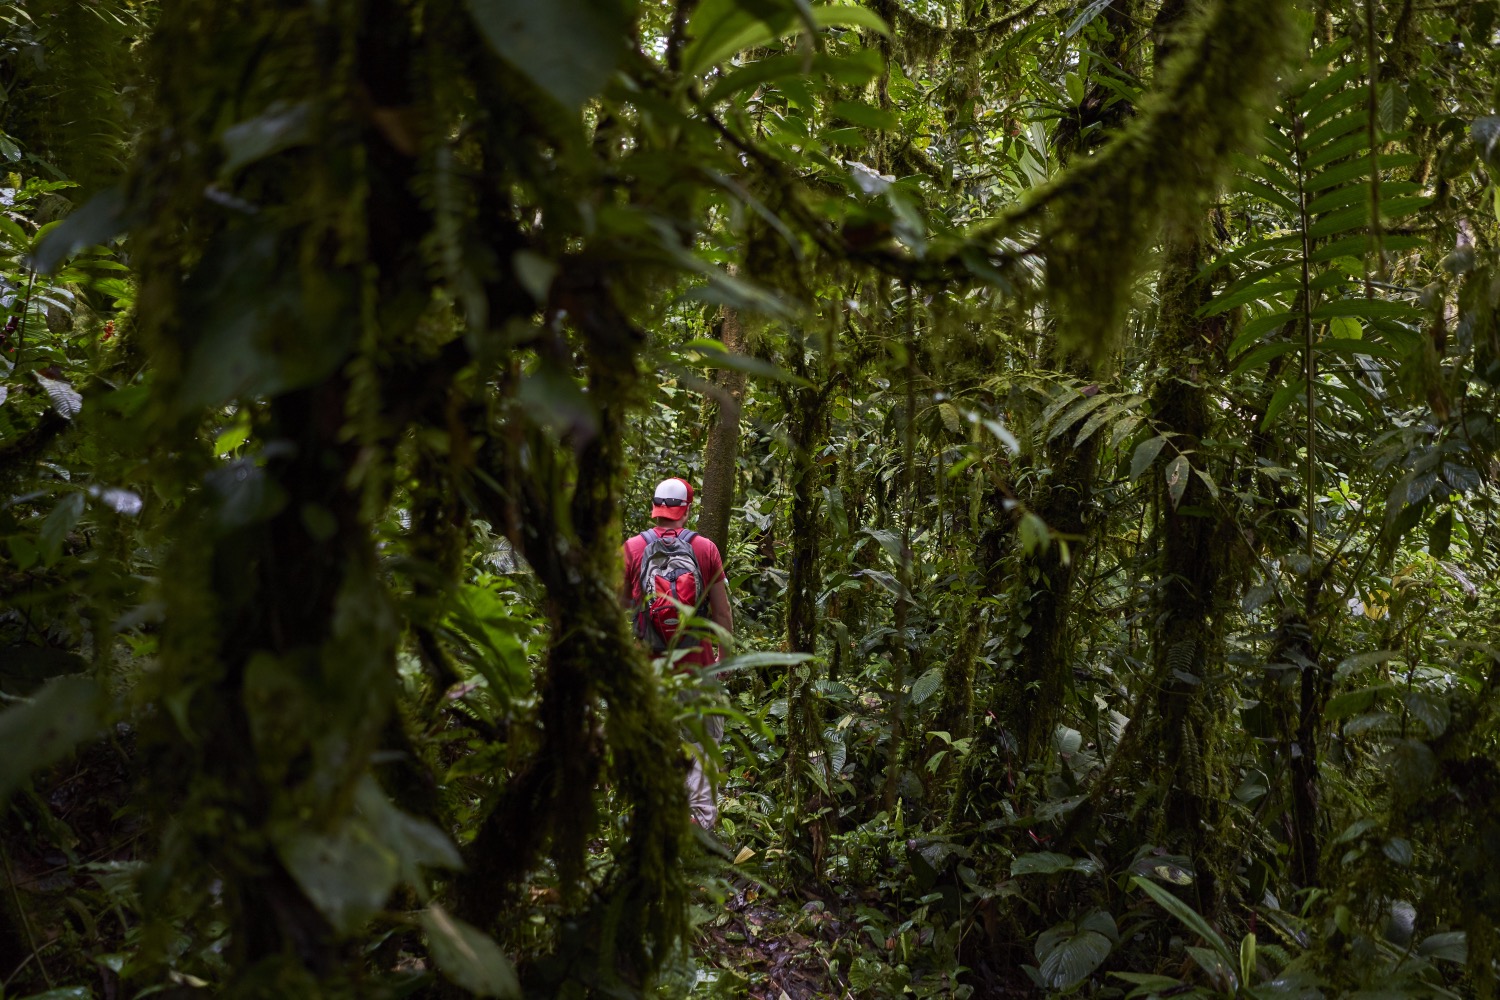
x=277, y=659
x=808, y=415
x=1043, y=668
x=1187, y=648
x=722, y=449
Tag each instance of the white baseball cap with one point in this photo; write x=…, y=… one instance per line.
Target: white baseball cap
x=671, y=499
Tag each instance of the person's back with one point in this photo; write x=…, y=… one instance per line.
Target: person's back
x=664, y=544
x=656, y=621
x=665, y=567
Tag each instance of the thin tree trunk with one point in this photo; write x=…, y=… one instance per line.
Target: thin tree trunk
x=903, y=655
x=808, y=409
x=721, y=452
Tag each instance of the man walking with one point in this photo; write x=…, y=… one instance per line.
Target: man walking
x=667, y=567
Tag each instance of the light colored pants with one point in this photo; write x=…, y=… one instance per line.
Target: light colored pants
x=703, y=800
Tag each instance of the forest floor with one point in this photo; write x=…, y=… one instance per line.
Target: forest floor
x=768, y=948
x=771, y=953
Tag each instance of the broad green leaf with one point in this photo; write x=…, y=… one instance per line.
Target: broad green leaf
x=1090, y=11
x=1041, y=863
x=1145, y=454
x=42, y=731
x=1264, y=354
x=99, y=220
x=468, y=956
x=1363, y=308
x=568, y=48
x=553, y=398
x=1450, y=946
x=1440, y=535
x=1186, y=914
x=231, y=438
x=1123, y=430
x=1411, y=763
x=749, y=365
x=1349, y=703
x=1076, y=413
x=1359, y=661
x=926, y=686
x=1283, y=398
x=1250, y=293
x=1220, y=969
x=417, y=844
x=721, y=28
x=1093, y=423
x=66, y=400
x=1345, y=328
x=1352, y=219
x=1463, y=478
x=1149, y=984
x=1398, y=849
x=747, y=661
x=14, y=235
x=346, y=873
x=1035, y=535
x=755, y=74
x=1431, y=711
x=865, y=115
x=1068, y=955
x=889, y=540
x=1259, y=327
x=1066, y=396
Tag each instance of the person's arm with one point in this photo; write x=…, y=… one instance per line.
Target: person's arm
x=720, y=610
x=625, y=601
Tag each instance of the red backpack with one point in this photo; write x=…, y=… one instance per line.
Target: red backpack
x=669, y=571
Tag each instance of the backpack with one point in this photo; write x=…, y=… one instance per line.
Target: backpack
x=669, y=570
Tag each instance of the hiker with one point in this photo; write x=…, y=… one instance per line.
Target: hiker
x=671, y=560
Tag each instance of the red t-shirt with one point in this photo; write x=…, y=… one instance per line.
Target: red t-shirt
x=710, y=563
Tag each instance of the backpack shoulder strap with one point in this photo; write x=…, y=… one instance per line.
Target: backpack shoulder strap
x=690, y=537
x=649, y=535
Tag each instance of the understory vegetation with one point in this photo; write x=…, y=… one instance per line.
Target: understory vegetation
x=1096, y=403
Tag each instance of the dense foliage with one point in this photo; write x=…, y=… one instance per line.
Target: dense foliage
x=1096, y=404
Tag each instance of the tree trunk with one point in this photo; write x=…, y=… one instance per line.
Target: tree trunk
x=722, y=450
x=1044, y=666
x=1190, y=684
x=807, y=408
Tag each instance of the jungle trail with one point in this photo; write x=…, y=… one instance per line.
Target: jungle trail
x=1093, y=404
